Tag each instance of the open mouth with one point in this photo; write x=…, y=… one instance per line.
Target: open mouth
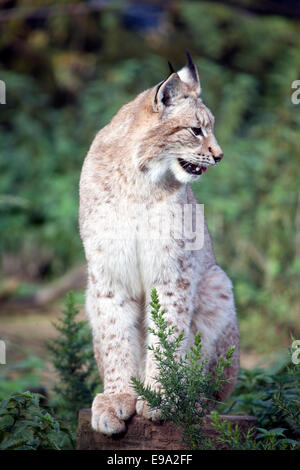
x=191, y=168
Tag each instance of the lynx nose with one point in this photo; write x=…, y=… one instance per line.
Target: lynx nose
x=218, y=158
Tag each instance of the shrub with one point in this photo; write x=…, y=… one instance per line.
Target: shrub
x=188, y=390
x=263, y=439
x=273, y=398
x=26, y=425
x=187, y=394
x=73, y=358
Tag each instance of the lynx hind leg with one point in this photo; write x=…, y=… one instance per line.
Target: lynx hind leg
x=216, y=320
x=229, y=338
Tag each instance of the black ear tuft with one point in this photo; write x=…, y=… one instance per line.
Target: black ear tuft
x=189, y=57
x=191, y=66
x=157, y=91
x=171, y=67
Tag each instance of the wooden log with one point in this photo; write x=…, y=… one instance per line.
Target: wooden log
x=143, y=434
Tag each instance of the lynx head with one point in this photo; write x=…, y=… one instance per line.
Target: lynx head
x=180, y=143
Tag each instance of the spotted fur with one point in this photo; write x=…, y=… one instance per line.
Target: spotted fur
x=133, y=162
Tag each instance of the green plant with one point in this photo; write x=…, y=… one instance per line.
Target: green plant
x=187, y=390
x=230, y=435
x=264, y=439
x=275, y=439
x=273, y=398
x=26, y=425
x=287, y=398
x=73, y=358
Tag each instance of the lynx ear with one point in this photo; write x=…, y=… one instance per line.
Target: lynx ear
x=167, y=92
x=189, y=74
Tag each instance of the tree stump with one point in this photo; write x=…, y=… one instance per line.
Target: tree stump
x=143, y=434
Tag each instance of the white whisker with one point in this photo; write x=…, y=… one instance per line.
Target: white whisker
x=204, y=131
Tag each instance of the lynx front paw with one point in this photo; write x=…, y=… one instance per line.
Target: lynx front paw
x=110, y=411
x=144, y=410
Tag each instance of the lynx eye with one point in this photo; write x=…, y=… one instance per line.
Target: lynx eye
x=197, y=131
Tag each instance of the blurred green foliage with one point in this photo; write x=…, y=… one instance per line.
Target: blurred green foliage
x=67, y=75
x=21, y=376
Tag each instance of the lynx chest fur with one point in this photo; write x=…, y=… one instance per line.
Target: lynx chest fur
x=134, y=204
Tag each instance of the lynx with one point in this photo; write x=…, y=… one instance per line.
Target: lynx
x=140, y=164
